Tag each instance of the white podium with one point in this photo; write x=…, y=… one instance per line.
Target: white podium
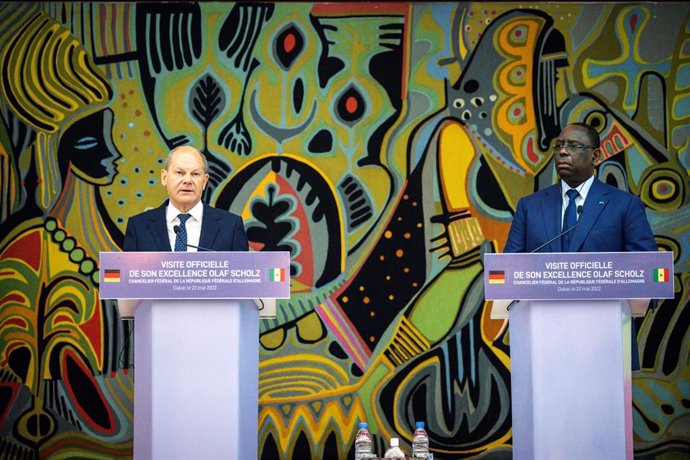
x=196, y=379
x=570, y=346
x=196, y=346
x=571, y=380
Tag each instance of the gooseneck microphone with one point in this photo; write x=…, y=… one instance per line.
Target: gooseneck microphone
x=563, y=233
x=176, y=229
x=560, y=235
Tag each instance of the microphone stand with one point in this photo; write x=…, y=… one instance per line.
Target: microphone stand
x=176, y=229
x=580, y=209
x=562, y=234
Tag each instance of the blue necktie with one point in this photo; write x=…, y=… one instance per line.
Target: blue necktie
x=181, y=238
x=569, y=218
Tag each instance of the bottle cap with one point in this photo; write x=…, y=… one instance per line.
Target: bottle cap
x=395, y=442
x=420, y=424
x=362, y=425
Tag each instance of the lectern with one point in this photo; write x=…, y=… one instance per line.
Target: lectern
x=196, y=346
x=570, y=346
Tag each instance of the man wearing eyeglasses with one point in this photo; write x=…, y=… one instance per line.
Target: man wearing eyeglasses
x=602, y=218
x=184, y=222
x=580, y=213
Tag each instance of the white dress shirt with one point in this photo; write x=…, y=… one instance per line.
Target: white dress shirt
x=582, y=189
x=193, y=224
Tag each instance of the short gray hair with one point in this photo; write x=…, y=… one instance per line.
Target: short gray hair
x=168, y=159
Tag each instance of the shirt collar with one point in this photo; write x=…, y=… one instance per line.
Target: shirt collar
x=171, y=212
x=582, y=189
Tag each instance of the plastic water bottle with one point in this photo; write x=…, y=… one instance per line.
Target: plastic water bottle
x=394, y=451
x=420, y=442
x=363, y=444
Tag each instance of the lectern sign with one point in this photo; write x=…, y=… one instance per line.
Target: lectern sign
x=582, y=275
x=194, y=275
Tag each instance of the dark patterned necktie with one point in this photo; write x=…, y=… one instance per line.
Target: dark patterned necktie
x=570, y=217
x=181, y=238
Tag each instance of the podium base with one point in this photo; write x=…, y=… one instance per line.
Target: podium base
x=571, y=379
x=196, y=379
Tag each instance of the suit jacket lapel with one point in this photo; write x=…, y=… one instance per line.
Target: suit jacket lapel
x=209, y=228
x=597, y=200
x=551, y=212
x=159, y=228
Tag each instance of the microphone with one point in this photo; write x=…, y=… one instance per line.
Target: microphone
x=176, y=229
x=563, y=233
x=560, y=235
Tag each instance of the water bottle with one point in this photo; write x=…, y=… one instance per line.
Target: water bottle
x=394, y=451
x=420, y=442
x=363, y=445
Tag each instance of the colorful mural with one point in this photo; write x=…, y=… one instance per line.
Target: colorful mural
x=385, y=145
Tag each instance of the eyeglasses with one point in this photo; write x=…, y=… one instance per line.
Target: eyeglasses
x=570, y=146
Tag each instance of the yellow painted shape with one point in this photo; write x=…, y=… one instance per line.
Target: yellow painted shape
x=455, y=155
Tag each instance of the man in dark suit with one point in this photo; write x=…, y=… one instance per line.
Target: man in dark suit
x=607, y=219
x=183, y=222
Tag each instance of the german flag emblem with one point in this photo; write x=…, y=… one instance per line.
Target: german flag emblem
x=497, y=277
x=111, y=276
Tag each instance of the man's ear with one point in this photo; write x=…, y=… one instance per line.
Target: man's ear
x=596, y=156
